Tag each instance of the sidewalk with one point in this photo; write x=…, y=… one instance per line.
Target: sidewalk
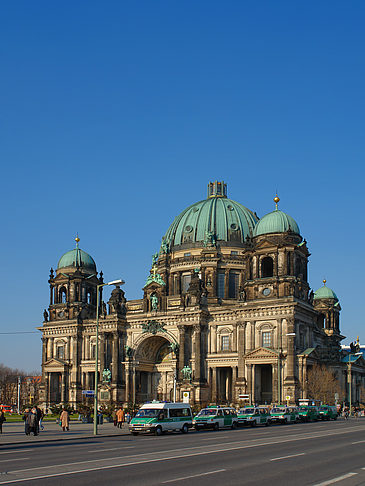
x=13, y=433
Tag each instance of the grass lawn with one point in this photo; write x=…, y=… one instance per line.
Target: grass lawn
x=14, y=417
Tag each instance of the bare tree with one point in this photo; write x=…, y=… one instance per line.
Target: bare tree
x=322, y=384
x=9, y=386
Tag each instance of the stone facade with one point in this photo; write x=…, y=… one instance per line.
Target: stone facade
x=219, y=319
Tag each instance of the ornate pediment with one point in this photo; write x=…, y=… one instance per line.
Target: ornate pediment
x=262, y=353
x=310, y=353
x=263, y=244
x=55, y=363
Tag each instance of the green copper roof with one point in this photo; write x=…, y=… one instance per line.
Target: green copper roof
x=77, y=258
x=276, y=222
x=325, y=293
x=227, y=219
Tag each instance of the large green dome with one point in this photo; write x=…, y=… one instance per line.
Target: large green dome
x=228, y=220
x=276, y=222
x=77, y=258
x=325, y=293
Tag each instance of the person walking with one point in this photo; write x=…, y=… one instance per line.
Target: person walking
x=25, y=417
x=65, y=420
x=39, y=418
x=114, y=416
x=31, y=421
x=2, y=420
x=120, y=418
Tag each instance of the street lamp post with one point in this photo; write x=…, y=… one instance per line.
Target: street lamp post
x=349, y=379
x=98, y=287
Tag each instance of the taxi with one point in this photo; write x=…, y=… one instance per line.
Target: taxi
x=328, y=412
x=254, y=416
x=308, y=413
x=215, y=417
x=283, y=415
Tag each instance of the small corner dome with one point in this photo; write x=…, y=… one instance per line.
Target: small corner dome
x=276, y=222
x=325, y=293
x=77, y=258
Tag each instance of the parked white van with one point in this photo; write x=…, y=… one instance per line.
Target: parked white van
x=160, y=417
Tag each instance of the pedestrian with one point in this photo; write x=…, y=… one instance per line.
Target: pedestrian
x=120, y=418
x=114, y=416
x=31, y=421
x=65, y=420
x=39, y=418
x=128, y=417
x=25, y=417
x=2, y=420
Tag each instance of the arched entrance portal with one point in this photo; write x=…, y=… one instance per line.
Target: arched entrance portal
x=155, y=368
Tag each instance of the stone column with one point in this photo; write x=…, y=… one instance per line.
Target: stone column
x=234, y=376
x=290, y=360
x=234, y=340
x=275, y=391
x=197, y=374
x=214, y=337
x=226, y=284
x=214, y=385
x=63, y=388
x=102, y=353
x=249, y=382
x=127, y=383
x=181, y=348
x=178, y=281
x=50, y=350
x=241, y=350
x=44, y=350
x=115, y=358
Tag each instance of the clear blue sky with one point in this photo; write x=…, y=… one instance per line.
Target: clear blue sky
x=115, y=116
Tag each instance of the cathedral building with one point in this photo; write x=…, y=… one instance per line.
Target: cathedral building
x=227, y=314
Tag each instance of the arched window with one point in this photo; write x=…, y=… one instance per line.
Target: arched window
x=62, y=295
x=267, y=267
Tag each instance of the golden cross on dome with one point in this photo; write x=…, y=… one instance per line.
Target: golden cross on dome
x=154, y=270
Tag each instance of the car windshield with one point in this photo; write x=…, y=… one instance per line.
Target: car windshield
x=278, y=409
x=208, y=411
x=148, y=412
x=247, y=410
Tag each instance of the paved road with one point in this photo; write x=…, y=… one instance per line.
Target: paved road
x=301, y=454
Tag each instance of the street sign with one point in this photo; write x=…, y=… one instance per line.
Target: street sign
x=88, y=393
x=287, y=397
x=186, y=397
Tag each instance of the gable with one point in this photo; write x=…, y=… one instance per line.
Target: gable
x=262, y=353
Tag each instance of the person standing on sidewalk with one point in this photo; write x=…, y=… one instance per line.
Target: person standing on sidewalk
x=2, y=420
x=114, y=416
x=120, y=417
x=65, y=420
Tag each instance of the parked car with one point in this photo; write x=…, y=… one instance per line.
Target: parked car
x=254, y=416
x=283, y=415
x=328, y=412
x=160, y=417
x=308, y=413
x=215, y=417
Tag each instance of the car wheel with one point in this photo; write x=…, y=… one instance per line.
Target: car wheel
x=185, y=429
x=334, y=418
x=134, y=433
x=216, y=426
x=158, y=431
x=234, y=425
x=197, y=428
x=253, y=424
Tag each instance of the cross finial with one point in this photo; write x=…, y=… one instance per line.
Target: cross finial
x=276, y=200
x=154, y=270
x=77, y=239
